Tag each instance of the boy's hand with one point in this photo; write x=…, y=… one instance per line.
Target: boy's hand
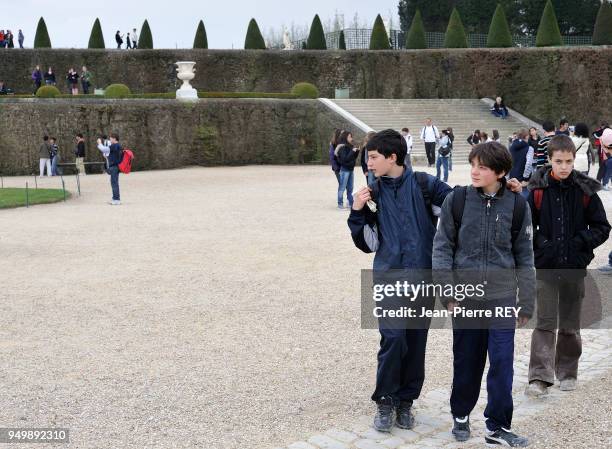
x=514, y=185
x=522, y=320
x=361, y=198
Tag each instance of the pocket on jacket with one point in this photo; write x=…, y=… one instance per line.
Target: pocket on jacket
x=503, y=234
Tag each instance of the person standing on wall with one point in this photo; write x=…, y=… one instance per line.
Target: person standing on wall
x=430, y=135
x=20, y=38
x=37, y=77
x=86, y=78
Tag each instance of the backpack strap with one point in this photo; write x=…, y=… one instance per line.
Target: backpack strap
x=518, y=215
x=586, y=200
x=459, y=194
x=538, y=194
x=422, y=179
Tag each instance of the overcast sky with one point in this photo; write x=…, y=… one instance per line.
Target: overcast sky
x=174, y=22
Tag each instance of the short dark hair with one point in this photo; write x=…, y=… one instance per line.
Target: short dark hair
x=115, y=136
x=343, y=139
x=581, y=130
x=548, y=126
x=80, y=136
x=405, y=130
x=388, y=142
x=560, y=142
x=493, y=155
x=563, y=121
x=45, y=137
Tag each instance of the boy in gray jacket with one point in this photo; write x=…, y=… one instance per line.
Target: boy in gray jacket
x=486, y=230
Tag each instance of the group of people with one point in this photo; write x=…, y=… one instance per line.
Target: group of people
x=72, y=79
x=490, y=228
x=131, y=40
x=49, y=157
x=7, y=39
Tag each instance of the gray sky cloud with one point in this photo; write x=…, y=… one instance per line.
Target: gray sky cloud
x=174, y=23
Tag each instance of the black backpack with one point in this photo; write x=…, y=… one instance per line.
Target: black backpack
x=518, y=213
x=423, y=181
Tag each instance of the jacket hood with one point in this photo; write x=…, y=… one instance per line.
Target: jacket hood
x=588, y=185
x=518, y=144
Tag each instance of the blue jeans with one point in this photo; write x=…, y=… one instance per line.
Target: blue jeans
x=346, y=183
x=608, y=173
x=442, y=161
x=114, y=180
x=503, y=113
x=610, y=258
x=54, y=166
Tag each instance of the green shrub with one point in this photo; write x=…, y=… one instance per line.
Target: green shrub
x=316, y=37
x=305, y=90
x=146, y=37
x=254, y=40
x=455, y=33
x=379, y=39
x=200, y=40
x=415, y=39
x=96, y=38
x=341, y=41
x=602, y=33
x=499, y=31
x=117, y=91
x=41, y=38
x=549, y=34
x=48, y=92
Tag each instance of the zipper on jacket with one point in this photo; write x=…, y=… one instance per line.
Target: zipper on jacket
x=486, y=252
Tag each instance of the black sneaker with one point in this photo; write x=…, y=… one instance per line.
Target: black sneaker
x=461, y=428
x=505, y=438
x=405, y=417
x=383, y=421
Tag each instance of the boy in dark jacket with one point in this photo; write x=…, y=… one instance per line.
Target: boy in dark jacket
x=486, y=231
x=401, y=233
x=569, y=222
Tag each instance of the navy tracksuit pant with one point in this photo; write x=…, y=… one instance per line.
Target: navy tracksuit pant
x=470, y=349
x=401, y=364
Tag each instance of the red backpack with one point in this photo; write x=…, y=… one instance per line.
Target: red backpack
x=538, y=195
x=125, y=166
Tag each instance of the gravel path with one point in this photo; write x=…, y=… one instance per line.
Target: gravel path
x=216, y=307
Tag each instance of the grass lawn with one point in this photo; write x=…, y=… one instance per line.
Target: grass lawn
x=14, y=197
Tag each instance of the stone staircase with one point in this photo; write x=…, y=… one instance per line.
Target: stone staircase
x=463, y=115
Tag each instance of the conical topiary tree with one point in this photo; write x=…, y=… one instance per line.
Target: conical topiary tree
x=200, y=40
x=96, y=38
x=499, y=31
x=254, y=40
x=602, y=33
x=41, y=39
x=415, y=39
x=146, y=38
x=549, y=34
x=316, y=37
x=379, y=40
x=341, y=41
x=455, y=33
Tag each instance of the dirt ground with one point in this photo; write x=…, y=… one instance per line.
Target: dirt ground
x=216, y=307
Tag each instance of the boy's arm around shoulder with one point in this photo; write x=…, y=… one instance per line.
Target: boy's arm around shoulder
x=364, y=229
x=522, y=249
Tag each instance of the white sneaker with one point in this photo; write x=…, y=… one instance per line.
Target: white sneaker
x=536, y=389
x=114, y=202
x=568, y=384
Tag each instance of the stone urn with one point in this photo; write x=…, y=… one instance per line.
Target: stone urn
x=186, y=72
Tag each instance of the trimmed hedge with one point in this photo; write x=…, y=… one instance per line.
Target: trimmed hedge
x=415, y=39
x=41, y=38
x=305, y=90
x=379, y=40
x=254, y=40
x=96, y=38
x=316, y=37
x=499, y=31
x=549, y=34
x=200, y=40
x=455, y=36
x=146, y=37
x=48, y=92
x=602, y=34
x=341, y=41
x=117, y=91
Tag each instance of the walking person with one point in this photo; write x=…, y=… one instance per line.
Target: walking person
x=409, y=142
x=601, y=154
x=79, y=152
x=451, y=138
x=10, y=41
x=128, y=42
x=54, y=154
x=86, y=79
x=134, y=39
x=119, y=39
x=347, y=154
x=430, y=135
x=584, y=154
x=534, y=138
x=37, y=77
x=115, y=155
x=333, y=160
x=444, y=150
x=44, y=154
x=20, y=38
x=606, y=146
x=541, y=153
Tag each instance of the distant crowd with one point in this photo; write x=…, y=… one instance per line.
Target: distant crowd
x=7, y=39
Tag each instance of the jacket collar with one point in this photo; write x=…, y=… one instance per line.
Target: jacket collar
x=542, y=180
x=498, y=194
